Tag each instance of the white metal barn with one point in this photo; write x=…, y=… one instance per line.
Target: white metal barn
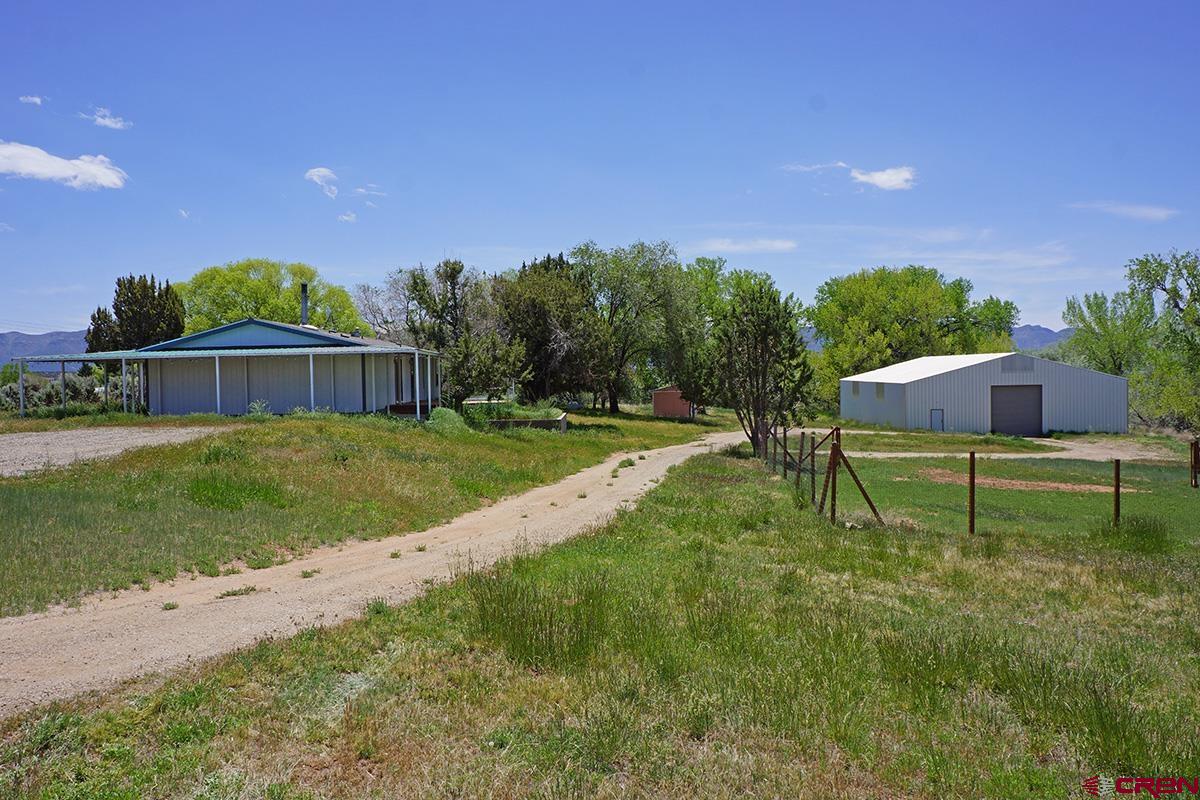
x=1008, y=393
x=226, y=369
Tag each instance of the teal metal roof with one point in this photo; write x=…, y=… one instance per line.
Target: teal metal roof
x=235, y=352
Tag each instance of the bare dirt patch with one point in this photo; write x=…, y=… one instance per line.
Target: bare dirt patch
x=949, y=476
x=30, y=451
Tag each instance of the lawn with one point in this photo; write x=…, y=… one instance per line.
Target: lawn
x=921, y=491
x=930, y=442
x=264, y=491
x=10, y=422
x=717, y=641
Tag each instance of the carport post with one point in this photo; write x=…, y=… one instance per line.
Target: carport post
x=21, y=384
x=417, y=382
x=429, y=380
x=312, y=386
x=971, y=495
x=124, y=393
x=1116, y=492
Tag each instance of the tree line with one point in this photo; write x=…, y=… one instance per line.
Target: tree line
x=611, y=324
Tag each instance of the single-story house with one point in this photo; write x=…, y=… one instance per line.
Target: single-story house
x=229, y=368
x=1009, y=393
x=668, y=402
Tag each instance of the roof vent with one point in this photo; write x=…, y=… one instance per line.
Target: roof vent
x=357, y=333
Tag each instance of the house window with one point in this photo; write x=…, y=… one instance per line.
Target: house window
x=854, y=388
x=879, y=391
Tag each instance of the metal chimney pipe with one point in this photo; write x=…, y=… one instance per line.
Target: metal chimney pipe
x=304, y=304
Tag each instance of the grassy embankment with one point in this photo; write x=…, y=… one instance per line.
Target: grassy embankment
x=264, y=491
x=720, y=640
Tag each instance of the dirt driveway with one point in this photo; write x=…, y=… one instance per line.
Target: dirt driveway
x=29, y=452
x=63, y=652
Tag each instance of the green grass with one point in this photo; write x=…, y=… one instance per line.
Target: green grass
x=930, y=442
x=719, y=640
x=239, y=592
x=1057, y=518
x=262, y=492
x=10, y=422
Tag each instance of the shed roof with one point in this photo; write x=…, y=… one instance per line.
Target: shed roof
x=926, y=367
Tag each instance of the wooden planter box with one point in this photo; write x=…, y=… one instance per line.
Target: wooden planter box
x=559, y=423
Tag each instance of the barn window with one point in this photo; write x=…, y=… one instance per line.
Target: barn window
x=854, y=388
x=879, y=391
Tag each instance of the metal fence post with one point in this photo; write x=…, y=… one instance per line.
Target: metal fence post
x=1116, y=492
x=971, y=495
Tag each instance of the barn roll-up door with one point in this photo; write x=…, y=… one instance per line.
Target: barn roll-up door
x=1017, y=410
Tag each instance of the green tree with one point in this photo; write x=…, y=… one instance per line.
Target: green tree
x=691, y=308
x=628, y=288
x=1170, y=384
x=546, y=306
x=882, y=316
x=264, y=289
x=482, y=364
x=8, y=373
x=144, y=312
x=1111, y=336
x=762, y=368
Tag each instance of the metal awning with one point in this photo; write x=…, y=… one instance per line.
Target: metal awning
x=233, y=352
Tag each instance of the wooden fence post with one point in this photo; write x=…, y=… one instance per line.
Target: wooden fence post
x=785, y=453
x=800, y=461
x=1116, y=492
x=812, y=472
x=1195, y=463
x=971, y=495
x=835, y=455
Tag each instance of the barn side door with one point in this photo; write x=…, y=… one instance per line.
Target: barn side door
x=937, y=419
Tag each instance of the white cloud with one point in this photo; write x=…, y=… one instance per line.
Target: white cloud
x=744, y=246
x=1130, y=210
x=30, y=99
x=349, y=216
x=370, y=189
x=6, y=228
x=887, y=179
x=323, y=177
x=86, y=172
x=105, y=119
x=370, y=204
x=183, y=213
x=814, y=167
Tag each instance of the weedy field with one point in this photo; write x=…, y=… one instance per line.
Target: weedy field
x=262, y=492
x=720, y=640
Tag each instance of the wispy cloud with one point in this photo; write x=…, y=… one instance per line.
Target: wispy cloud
x=723, y=245
x=183, y=214
x=889, y=179
x=370, y=204
x=106, y=119
x=371, y=190
x=31, y=99
x=86, y=172
x=349, y=216
x=1129, y=210
x=6, y=228
x=814, y=167
x=323, y=177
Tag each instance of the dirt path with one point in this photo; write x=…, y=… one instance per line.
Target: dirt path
x=34, y=450
x=64, y=652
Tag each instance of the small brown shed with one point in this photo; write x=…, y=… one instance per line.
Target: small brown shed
x=669, y=402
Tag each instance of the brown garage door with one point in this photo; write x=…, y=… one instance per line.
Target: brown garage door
x=1017, y=410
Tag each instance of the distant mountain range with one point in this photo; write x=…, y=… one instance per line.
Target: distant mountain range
x=15, y=344
x=1035, y=337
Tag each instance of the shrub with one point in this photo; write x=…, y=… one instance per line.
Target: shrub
x=259, y=409
x=447, y=421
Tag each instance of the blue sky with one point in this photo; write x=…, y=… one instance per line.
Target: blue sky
x=1031, y=147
